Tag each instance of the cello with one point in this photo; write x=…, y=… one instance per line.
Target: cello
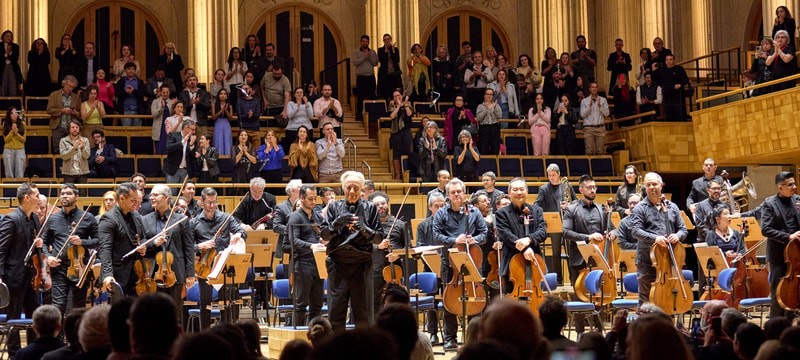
x=751, y=278
x=788, y=290
x=460, y=297
x=670, y=291
x=527, y=281
x=609, y=282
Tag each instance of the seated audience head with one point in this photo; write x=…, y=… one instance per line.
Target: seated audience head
x=358, y=344
x=791, y=337
x=93, y=332
x=649, y=308
x=473, y=330
x=775, y=326
x=400, y=321
x=747, y=339
x=235, y=336
x=47, y=321
x=596, y=344
x=296, y=349
x=204, y=345
x=553, y=315
x=71, y=324
x=670, y=344
x=486, y=350
x=153, y=329
x=252, y=336
x=513, y=325
x=118, y=328
x=395, y=294
x=319, y=330
x=731, y=319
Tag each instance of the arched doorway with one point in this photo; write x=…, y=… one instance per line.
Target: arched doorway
x=109, y=24
x=309, y=41
x=458, y=25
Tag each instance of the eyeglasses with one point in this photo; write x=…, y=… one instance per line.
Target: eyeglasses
x=590, y=187
x=210, y=202
x=790, y=184
x=715, y=188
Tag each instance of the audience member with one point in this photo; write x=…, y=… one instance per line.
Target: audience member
x=566, y=118
x=642, y=331
x=276, y=91
x=102, y=157
x=152, y=326
x=319, y=331
x=131, y=92
x=105, y=90
x=784, y=21
x=222, y=114
x=46, y=325
x=553, y=315
x=783, y=61
x=70, y=330
x=93, y=334
x=747, y=339
x=594, y=110
x=539, y=119
x=196, y=104
x=775, y=326
x=329, y=110
x=674, y=82
x=584, y=59
x=126, y=56
x=252, y=337
x=659, y=55
x=358, y=344
x=160, y=108
x=207, y=157
x=92, y=112
x=457, y=118
x=644, y=65
x=400, y=112
x=330, y=155
x=37, y=80
x=296, y=349
x=649, y=97
x=399, y=320
x=172, y=63
x=594, y=343
x=271, y=154
x=432, y=152
x=244, y=158
x=10, y=75
x=62, y=106
x=476, y=78
x=235, y=336
x=390, y=70
x=303, y=160
x=513, y=325
x=466, y=158
x=251, y=49
x=486, y=350
x=159, y=79
x=619, y=62
x=624, y=97
x=248, y=109
x=203, y=345
x=14, y=145
x=118, y=329
x=180, y=153
x=299, y=112
x=74, y=150
x=442, y=73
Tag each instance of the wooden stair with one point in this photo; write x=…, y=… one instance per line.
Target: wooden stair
x=366, y=149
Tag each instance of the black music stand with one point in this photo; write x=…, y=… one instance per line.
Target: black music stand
x=712, y=261
x=233, y=270
x=468, y=273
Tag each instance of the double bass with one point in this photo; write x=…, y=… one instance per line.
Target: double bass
x=751, y=279
x=463, y=298
x=671, y=291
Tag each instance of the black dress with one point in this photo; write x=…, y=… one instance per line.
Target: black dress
x=66, y=63
x=468, y=169
x=782, y=69
x=243, y=170
x=39, y=83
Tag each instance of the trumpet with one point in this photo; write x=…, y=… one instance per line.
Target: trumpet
x=639, y=183
x=566, y=195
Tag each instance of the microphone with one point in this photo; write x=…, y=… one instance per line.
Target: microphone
x=436, y=99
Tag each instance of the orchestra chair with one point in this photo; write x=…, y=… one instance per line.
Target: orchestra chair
x=760, y=304
x=423, y=287
x=631, y=285
x=281, y=291
x=192, y=299
x=21, y=324
x=249, y=292
x=592, y=282
x=697, y=305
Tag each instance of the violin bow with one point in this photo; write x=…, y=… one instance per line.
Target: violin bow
x=143, y=244
x=172, y=208
x=397, y=216
x=49, y=212
x=218, y=232
x=74, y=229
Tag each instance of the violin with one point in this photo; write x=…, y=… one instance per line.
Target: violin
x=788, y=290
x=473, y=294
x=41, y=280
x=527, y=281
x=671, y=291
x=205, y=262
x=76, y=264
x=751, y=278
x=142, y=267
x=393, y=273
x=164, y=276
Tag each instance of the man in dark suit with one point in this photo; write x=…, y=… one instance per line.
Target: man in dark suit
x=255, y=205
x=197, y=103
x=179, y=241
x=88, y=65
x=520, y=227
x=17, y=232
x=780, y=223
x=550, y=199
x=180, y=153
x=699, y=190
x=619, y=62
x=158, y=80
x=102, y=157
x=117, y=232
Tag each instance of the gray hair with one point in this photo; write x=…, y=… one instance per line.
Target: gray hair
x=554, y=167
x=491, y=175
x=635, y=195
x=731, y=319
x=652, y=173
x=72, y=79
x=187, y=122
x=784, y=32
x=455, y=182
x=650, y=308
x=462, y=133
x=292, y=184
x=162, y=189
x=257, y=182
x=359, y=176
x=93, y=331
x=209, y=191
x=46, y=320
x=516, y=179
x=434, y=196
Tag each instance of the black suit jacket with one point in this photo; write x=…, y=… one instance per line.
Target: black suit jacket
x=203, y=107
x=14, y=58
x=82, y=67
x=576, y=228
x=211, y=157
x=180, y=242
x=773, y=226
x=175, y=152
x=549, y=195
x=511, y=227
x=16, y=237
x=116, y=240
x=106, y=168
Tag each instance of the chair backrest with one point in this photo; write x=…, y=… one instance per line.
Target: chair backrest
x=592, y=281
x=552, y=280
x=426, y=282
x=631, y=283
x=193, y=293
x=725, y=279
x=251, y=275
x=279, y=272
x=280, y=288
x=688, y=275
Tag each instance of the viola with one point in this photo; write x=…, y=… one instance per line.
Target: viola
x=203, y=265
x=527, y=277
x=751, y=279
x=41, y=281
x=142, y=267
x=458, y=289
x=164, y=276
x=671, y=291
x=788, y=290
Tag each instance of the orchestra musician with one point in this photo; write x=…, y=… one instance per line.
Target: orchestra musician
x=56, y=233
x=450, y=225
x=381, y=253
x=308, y=287
x=117, y=232
x=179, y=241
x=624, y=191
x=328, y=194
x=18, y=230
x=255, y=205
x=703, y=210
x=550, y=199
x=650, y=228
x=351, y=227
x=282, y=212
x=481, y=201
x=425, y=237
x=193, y=207
x=231, y=234
x=728, y=239
x=586, y=221
x=511, y=229
x=699, y=185
x=780, y=223
x=624, y=232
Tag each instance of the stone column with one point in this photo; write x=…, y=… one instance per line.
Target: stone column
x=399, y=18
x=619, y=19
x=658, y=19
x=556, y=23
x=28, y=20
x=213, y=30
x=768, y=8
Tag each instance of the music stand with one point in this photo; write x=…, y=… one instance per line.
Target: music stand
x=686, y=221
x=320, y=258
x=434, y=261
x=712, y=261
x=229, y=269
x=262, y=258
x=753, y=230
x=468, y=273
x=554, y=226
x=615, y=219
x=627, y=262
x=268, y=237
x=592, y=254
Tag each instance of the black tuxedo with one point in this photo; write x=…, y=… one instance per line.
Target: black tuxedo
x=180, y=243
x=106, y=168
x=175, y=151
x=510, y=228
x=117, y=239
x=16, y=237
x=780, y=218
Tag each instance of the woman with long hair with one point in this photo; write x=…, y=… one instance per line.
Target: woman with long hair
x=126, y=56
x=222, y=114
x=14, y=151
x=566, y=117
x=549, y=63
x=92, y=112
x=627, y=189
x=235, y=69
x=10, y=73
x=109, y=200
x=244, y=157
x=400, y=137
x=67, y=57
x=455, y=120
x=506, y=95
x=303, y=157
x=539, y=119
x=217, y=83
x=432, y=152
x=251, y=49
x=624, y=98
x=569, y=74
x=105, y=90
x=525, y=67
x=784, y=21
x=207, y=157
x=38, y=79
x=174, y=122
x=442, y=72
x=299, y=112
x=271, y=154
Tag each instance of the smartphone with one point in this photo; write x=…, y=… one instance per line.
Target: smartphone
x=758, y=49
x=716, y=325
x=695, y=327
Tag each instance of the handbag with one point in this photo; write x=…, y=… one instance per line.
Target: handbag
x=281, y=120
x=472, y=128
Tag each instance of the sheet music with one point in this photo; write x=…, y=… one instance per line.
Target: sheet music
x=219, y=262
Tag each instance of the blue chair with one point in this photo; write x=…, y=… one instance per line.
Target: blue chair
x=593, y=285
x=149, y=165
x=760, y=304
x=119, y=142
x=533, y=167
x=516, y=145
x=427, y=284
x=281, y=291
x=577, y=167
x=193, y=298
x=631, y=284
x=37, y=145
x=250, y=291
x=142, y=145
x=602, y=166
x=125, y=166
x=509, y=166
x=487, y=163
x=16, y=325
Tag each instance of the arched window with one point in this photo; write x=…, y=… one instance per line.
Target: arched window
x=458, y=25
x=308, y=40
x=109, y=24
